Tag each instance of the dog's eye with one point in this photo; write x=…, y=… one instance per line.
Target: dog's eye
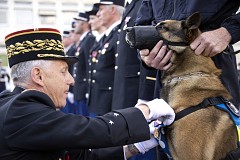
x=161, y=26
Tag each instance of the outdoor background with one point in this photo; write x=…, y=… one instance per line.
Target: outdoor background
x=23, y=14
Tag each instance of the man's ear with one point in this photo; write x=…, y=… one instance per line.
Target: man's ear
x=36, y=75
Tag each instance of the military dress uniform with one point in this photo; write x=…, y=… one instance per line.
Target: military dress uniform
x=80, y=75
x=101, y=85
x=213, y=16
x=95, y=50
x=127, y=69
x=126, y=89
x=32, y=128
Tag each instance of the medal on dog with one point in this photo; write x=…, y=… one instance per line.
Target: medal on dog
x=156, y=133
x=157, y=125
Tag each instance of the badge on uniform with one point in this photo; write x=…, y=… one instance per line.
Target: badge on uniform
x=77, y=51
x=105, y=48
x=94, y=55
x=127, y=19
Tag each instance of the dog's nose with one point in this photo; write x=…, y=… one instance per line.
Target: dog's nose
x=128, y=29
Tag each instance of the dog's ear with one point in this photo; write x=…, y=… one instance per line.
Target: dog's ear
x=193, y=21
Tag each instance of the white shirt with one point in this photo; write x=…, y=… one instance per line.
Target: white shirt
x=108, y=31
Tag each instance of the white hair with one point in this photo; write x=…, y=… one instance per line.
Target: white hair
x=120, y=9
x=21, y=72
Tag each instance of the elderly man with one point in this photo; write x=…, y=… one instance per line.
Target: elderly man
x=101, y=87
x=32, y=128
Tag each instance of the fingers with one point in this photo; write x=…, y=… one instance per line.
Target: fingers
x=211, y=43
x=144, y=52
x=158, y=57
x=161, y=61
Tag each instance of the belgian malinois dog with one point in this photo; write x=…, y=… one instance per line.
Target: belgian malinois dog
x=207, y=133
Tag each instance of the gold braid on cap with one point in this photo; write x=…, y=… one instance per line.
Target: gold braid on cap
x=35, y=45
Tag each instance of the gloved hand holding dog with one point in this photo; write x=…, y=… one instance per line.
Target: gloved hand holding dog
x=160, y=110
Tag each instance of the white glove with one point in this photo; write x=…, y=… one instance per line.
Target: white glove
x=152, y=127
x=146, y=145
x=160, y=110
x=70, y=97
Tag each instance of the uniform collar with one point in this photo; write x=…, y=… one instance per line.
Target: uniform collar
x=108, y=31
x=83, y=35
x=17, y=90
x=129, y=1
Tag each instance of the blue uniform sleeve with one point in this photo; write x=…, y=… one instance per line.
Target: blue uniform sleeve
x=145, y=13
x=232, y=24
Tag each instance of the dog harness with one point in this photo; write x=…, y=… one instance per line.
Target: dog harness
x=219, y=102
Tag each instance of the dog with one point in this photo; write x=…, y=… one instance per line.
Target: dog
x=207, y=133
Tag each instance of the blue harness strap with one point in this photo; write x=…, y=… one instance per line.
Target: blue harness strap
x=234, y=117
x=219, y=102
x=162, y=140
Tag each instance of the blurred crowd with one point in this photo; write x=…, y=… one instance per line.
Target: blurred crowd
x=107, y=76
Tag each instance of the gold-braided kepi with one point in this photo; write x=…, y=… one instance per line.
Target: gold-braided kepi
x=35, y=44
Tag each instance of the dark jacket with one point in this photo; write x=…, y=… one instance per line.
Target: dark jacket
x=94, y=51
x=100, y=98
x=214, y=14
x=71, y=52
x=32, y=129
x=127, y=68
x=81, y=67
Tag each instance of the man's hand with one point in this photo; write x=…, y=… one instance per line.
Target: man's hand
x=158, y=58
x=145, y=146
x=211, y=43
x=140, y=147
x=158, y=109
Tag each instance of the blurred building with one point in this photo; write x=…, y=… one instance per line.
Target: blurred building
x=24, y=14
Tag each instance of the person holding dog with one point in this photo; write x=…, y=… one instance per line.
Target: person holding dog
x=31, y=125
x=220, y=28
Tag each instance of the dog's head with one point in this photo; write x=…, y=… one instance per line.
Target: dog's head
x=142, y=37
x=184, y=31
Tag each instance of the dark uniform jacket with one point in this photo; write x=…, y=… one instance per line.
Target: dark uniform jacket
x=81, y=67
x=214, y=14
x=127, y=69
x=100, y=98
x=94, y=51
x=71, y=52
x=32, y=129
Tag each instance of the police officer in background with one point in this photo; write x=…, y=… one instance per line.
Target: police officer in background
x=87, y=39
x=95, y=23
x=68, y=46
x=98, y=30
x=127, y=70
x=75, y=37
x=101, y=87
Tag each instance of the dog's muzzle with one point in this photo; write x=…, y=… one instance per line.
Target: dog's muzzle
x=146, y=37
x=142, y=37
